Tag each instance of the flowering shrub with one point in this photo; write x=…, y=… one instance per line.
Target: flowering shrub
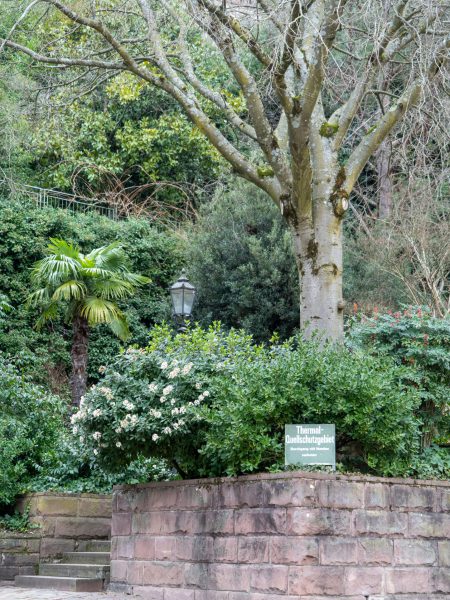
x=213, y=403
x=417, y=339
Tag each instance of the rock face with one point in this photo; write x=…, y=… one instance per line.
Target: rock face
x=292, y=536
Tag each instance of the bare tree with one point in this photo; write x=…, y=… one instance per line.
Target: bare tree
x=295, y=46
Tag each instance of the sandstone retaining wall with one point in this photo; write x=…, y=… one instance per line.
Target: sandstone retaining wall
x=287, y=536
x=64, y=520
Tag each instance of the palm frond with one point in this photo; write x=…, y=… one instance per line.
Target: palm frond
x=49, y=313
x=98, y=310
x=38, y=297
x=120, y=328
x=135, y=279
x=55, y=269
x=97, y=272
x=70, y=290
x=111, y=257
x=112, y=289
x=60, y=247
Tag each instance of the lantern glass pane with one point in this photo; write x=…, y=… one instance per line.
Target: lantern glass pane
x=177, y=300
x=189, y=296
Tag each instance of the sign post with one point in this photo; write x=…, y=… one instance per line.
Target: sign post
x=310, y=445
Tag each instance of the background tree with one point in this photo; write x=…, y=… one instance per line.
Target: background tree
x=280, y=51
x=89, y=286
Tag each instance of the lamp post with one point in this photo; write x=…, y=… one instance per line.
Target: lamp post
x=182, y=293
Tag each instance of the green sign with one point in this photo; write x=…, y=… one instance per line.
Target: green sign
x=310, y=445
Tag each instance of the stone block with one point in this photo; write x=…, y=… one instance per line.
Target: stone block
x=56, y=546
x=415, y=552
x=13, y=544
x=119, y=570
x=78, y=527
x=441, y=580
x=135, y=572
x=291, y=492
x=212, y=595
x=410, y=497
x=8, y=573
x=291, y=550
x=338, y=551
x=57, y=506
x=445, y=500
x=196, y=496
x=375, y=551
x=333, y=494
x=147, y=593
x=408, y=580
x=269, y=579
x=196, y=575
x=124, y=548
x=94, y=507
x=193, y=548
x=381, y=523
x=444, y=553
x=47, y=525
x=144, y=547
x=165, y=548
x=16, y=559
x=179, y=594
x=248, y=494
x=225, y=549
x=163, y=573
x=229, y=577
x=307, y=581
x=431, y=525
x=155, y=497
x=318, y=521
x=376, y=495
x=363, y=580
x=260, y=520
x=253, y=549
x=121, y=524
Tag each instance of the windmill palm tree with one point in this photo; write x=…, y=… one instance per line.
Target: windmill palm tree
x=88, y=287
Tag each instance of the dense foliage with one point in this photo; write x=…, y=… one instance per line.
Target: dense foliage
x=24, y=234
x=414, y=337
x=241, y=259
x=213, y=403
x=30, y=423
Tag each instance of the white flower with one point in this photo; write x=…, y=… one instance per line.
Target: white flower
x=206, y=393
x=164, y=365
x=167, y=430
x=95, y=451
x=128, y=405
x=174, y=373
x=118, y=429
x=106, y=391
x=75, y=430
x=162, y=399
x=175, y=426
x=81, y=439
x=198, y=385
x=187, y=368
x=155, y=413
x=102, y=369
x=119, y=444
x=167, y=390
x=153, y=387
x=82, y=399
x=155, y=437
x=196, y=402
x=182, y=410
x=97, y=435
x=74, y=418
x=174, y=411
x=97, y=413
x=172, y=402
x=201, y=397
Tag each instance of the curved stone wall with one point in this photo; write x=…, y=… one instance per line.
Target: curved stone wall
x=290, y=536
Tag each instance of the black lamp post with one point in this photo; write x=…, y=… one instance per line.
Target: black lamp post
x=183, y=294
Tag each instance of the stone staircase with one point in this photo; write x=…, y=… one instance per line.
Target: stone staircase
x=86, y=570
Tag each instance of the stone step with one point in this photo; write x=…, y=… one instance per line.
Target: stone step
x=94, y=545
x=83, y=571
x=69, y=584
x=91, y=558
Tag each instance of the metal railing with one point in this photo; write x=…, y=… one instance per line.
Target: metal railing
x=44, y=198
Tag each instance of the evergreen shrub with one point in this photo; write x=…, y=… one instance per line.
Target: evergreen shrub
x=213, y=403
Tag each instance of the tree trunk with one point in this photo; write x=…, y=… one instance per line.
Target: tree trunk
x=319, y=261
x=79, y=358
x=383, y=162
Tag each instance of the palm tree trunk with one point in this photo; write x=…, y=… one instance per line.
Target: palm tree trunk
x=79, y=358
